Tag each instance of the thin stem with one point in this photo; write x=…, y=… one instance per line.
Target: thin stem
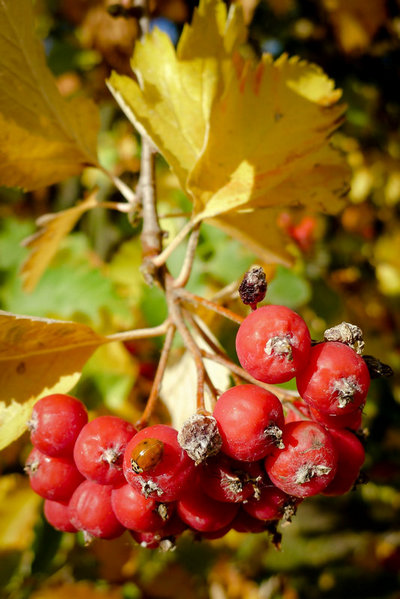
x=186, y=269
x=282, y=394
x=140, y=333
x=155, y=388
x=151, y=236
x=201, y=301
x=115, y=206
x=177, y=318
x=194, y=320
x=123, y=188
x=165, y=254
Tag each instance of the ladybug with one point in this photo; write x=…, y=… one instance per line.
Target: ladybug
x=146, y=455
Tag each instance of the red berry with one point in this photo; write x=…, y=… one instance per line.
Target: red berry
x=55, y=424
x=273, y=344
x=136, y=512
x=167, y=473
x=351, y=456
x=350, y=420
x=272, y=504
x=100, y=447
x=307, y=464
x=202, y=513
x=335, y=380
x=250, y=421
x=91, y=511
x=296, y=411
x=52, y=478
x=57, y=514
x=244, y=522
x=230, y=480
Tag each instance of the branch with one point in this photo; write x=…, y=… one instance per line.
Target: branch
x=123, y=188
x=183, y=277
x=189, y=297
x=282, y=394
x=140, y=333
x=155, y=388
x=163, y=256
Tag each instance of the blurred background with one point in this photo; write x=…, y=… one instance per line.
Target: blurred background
x=345, y=268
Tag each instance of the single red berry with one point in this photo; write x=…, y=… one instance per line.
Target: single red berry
x=57, y=514
x=272, y=504
x=225, y=479
x=273, y=344
x=50, y=477
x=308, y=462
x=296, y=411
x=55, y=424
x=250, y=421
x=351, y=456
x=351, y=420
x=137, y=512
x=335, y=380
x=166, y=477
x=100, y=447
x=203, y=513
x=244, y=522
x=90, y=511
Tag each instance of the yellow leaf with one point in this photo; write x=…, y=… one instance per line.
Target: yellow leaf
x=267, y=142
x=174, y=96
x=239, y=135
x=19, y=508
x=43, y=137
x=14, y=417
x=45, y=242
x=36, y=353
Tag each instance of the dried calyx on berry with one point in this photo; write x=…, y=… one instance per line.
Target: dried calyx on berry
x=200, y=437
x=253, y=288
x=347, y=333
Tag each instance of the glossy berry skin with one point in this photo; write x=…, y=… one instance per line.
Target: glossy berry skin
x=351, y=456
x=272, y=504
x=335, y=380
x=146, y=455
x=100, y=448
x=249, y=421
x=136, y=512
x=203, y=513
x=57, y=514
x=52, y=478
x=273, y=344
x=170, y=475
x=90, y=510
x=308, y=462
x=55, y=424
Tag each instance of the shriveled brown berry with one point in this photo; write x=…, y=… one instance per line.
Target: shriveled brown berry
x=377, y=368
x=200, y=437
x=347, y=333
x=253, y=288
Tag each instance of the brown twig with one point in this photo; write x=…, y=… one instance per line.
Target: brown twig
x=155, y=388
x=178, y=320
x=197, y=300
x=140, y=333
x=183, y=277
x=282, y=394
x=162, y=257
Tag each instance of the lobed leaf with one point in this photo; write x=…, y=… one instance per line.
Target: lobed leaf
x=43, y=137
x=45, y=243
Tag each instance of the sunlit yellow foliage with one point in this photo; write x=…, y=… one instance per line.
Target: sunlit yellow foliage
x=18, y=512
x=43, y=138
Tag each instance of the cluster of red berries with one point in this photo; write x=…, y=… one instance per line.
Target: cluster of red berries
x=245, y=467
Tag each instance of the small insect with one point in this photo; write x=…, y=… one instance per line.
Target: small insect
x=146, y=455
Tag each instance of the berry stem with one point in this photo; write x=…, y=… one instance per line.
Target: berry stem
x=197, y=300
x=183, y=277
x=178, y=320
x=282, y=394
x=163, y=256
x=155, y=389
